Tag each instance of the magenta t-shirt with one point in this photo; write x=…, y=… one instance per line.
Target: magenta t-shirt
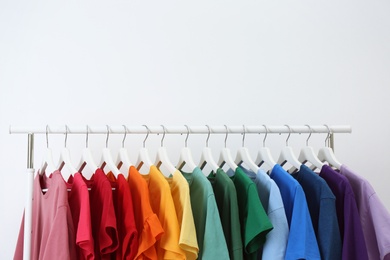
x=374, y=217
x=351, y=232
x=53, y=235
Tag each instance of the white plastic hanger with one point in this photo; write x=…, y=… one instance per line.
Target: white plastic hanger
x=225, y=156
x=264, y=158
x=307, y=154
x=87, y=158
x=287, y=154
x=47, y=166
x=326, y=154
x=243, y=155
x=186, y=156
x=162, y=157
x=107, y=160
x=65, y=159
x=123, y=160
x=207, y=157
x=143, y=154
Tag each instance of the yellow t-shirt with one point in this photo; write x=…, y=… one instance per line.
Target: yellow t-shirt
x=162, y=205
x=180, y=191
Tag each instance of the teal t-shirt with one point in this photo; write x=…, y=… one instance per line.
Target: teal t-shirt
x=209, y=233
x=226, y=198
x=255, y=223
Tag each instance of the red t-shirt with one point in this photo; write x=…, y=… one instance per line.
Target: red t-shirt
x=104, y=228
x=79, y=205
x=127, y=231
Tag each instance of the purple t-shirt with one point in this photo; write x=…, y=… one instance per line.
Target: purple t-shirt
x=374, y=217
x=351, y=232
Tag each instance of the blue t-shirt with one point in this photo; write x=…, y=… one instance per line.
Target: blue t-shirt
x=322, y=207
x=302, y=243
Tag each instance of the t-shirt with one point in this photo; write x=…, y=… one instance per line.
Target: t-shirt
x=255, y=224
x=209, y=233
x=79, y=204
x=374, y=217
x=302, y=243
x=104, y=229
x=162, y=205
x=180, y=191
x=147, y=223
x=322, y=208
x=124, y=211
x=269, y=194
x=226, y=198
x=351, y=232
x=53, y=235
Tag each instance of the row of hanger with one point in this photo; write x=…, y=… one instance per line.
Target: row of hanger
x=264, y=158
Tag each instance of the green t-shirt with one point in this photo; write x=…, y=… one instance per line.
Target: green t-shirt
x=209, y=233
x=255, y=224
x=226, y=197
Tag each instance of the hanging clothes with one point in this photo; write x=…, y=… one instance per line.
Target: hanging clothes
x=209, y=232
x=167, y=247
x=53, y=233
x=78, y=198
x=374, y=217
x=269, y=195
x=255, y=224
x=302, y=243
x=226, y=199
x=351, y=232
x=180, y=191
x=124, y=212
x=322, y=207
x=148, y=226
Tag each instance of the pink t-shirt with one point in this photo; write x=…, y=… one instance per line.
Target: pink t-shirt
x=53, y=235
x=374, y=217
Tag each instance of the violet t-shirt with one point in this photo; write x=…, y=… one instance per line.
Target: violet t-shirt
x=351, y=232
x=374, y=217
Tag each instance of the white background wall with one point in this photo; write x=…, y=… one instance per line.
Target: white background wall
x=195, y=63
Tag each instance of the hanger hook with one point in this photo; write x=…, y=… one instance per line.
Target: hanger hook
x=243, y=136
x=328, y=136
x=108, y=134
x=188, y=133
x=86, y=138
x=163, y=137
x=266, y=133
x=311, y=131
x=66, y=134
x=147, y=135
x=208, y=136
x=289, y=133
x=226, y=136
x=47, y=136
x=124, y=136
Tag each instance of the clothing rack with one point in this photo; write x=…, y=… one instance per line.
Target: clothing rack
x=31, y=131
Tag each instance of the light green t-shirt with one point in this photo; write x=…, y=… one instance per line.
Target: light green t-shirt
x=211, y=240
x=255, y=223
x=226, y=197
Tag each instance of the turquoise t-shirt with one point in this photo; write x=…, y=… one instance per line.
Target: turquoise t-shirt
x=211, y=240
x=226, y=197
x=255, y=223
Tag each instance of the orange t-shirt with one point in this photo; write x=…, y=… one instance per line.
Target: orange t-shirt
x=147, y=223
x=162, y=204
